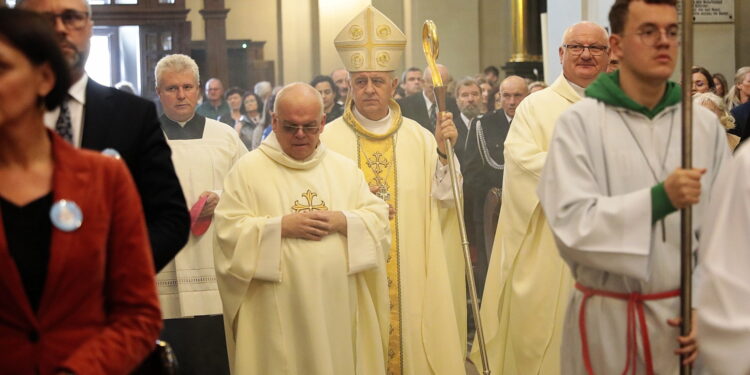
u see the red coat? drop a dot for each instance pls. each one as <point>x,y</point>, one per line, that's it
<point>99,312</point>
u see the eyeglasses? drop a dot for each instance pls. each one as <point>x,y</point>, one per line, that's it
<point>651,35</point>
<point>594,50</point>
<point>292,129</point>
<point>72,19</point>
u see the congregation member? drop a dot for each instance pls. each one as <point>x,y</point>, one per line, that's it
<point>469,104</point>
<point>716,104</point>
<point>538,86</point>
<point>722,296</point>
<point>328,90</point>
<point>203,152</point>
<point>102,118</point>
<point>406,166</point>
<point>423,108</point>
<point>251,121</point>
<point>341,78</point>
<point>300,253</point>
<point>528,284</point>
<point>720,85</point>
<point>739,93</point>
<point>610,190</point>
<point>263,89</point>
<point>738,102</point>
<point>702,81</point>
<point>411,81</point>
<point>76,275</point>
<point>214,106</point>
<point>233,97</point>
<point>484,164</point>
<point>488,93</point>
<point>492,75</point>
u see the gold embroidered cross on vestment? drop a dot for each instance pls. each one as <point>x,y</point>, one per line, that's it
<point>309,196</point>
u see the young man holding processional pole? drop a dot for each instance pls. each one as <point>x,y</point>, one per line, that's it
<point>610,188</point>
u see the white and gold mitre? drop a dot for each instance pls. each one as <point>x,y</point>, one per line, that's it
<point>370,43</point>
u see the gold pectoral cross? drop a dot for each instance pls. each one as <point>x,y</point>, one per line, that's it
<point>309,196</point>
<point>377,163</point>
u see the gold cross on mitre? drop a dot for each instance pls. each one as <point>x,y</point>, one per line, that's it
<point>309,196</point>
<point>370,43</point>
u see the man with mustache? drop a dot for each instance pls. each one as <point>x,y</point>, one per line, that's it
<point>98,118</point>
<point>610,190</point>
<point>528,284</point>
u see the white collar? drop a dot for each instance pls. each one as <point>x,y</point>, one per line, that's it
<point>374,126</point>
<point>78,90</point>
<point>578,89</point>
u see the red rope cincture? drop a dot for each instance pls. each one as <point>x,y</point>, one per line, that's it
<point>635,310</point>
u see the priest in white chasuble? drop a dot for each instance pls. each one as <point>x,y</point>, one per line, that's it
<point>400,161</point>
<point>203,151</point>
<point>610,190</point>
<point>528,284</point>
<point>300,253</point>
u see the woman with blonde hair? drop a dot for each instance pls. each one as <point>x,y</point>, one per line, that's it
<point>739,93</point>
<point>715,103</point>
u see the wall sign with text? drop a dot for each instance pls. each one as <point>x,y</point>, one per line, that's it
<point>711,11</point>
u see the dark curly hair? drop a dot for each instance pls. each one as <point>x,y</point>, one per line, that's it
<point>334,88</point>
<point>34,37</point>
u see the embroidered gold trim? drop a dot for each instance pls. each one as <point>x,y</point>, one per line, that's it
<point>376,157</point>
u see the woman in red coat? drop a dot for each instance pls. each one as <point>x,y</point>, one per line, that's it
<point>77,291</point>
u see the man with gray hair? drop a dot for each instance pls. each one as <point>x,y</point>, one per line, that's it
<point>203,151</point>
<point>214,105</point>
<point>528,284</point>
<point>98,117</point>
<point>423,108</point>
<point>300,254</point>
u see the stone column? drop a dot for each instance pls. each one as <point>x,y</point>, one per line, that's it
<point>214,16</point>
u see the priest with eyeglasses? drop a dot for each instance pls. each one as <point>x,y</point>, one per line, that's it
<point>300,253</point>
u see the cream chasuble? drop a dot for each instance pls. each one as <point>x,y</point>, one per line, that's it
<point>528,284</point>
<point>424,336</point>
<point>187,285</point>
<point>596,193</point>
<point>293,306</point>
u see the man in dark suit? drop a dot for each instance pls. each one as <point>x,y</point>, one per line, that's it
<point>420,107</point>
<point>485,163</point>
<point>98,118</point>
<point>469,103</point>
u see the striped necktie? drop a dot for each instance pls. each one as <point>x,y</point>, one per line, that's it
<point>64,126</point>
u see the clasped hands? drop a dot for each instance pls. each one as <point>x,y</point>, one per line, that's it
<point>313,225</point>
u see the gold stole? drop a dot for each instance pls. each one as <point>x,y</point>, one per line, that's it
<point>376,157</point>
